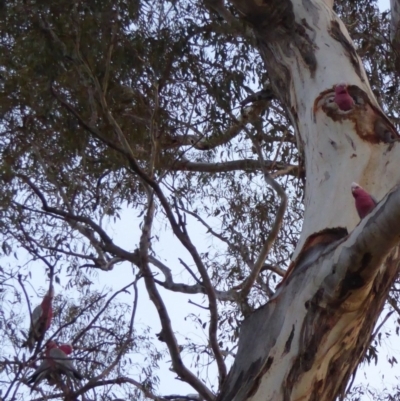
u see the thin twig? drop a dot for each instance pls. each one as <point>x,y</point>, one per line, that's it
<point>190,271</point>
<point>248,283</point>
<point>88,327</point>
<point>200,306</point>
<point>26,295</point>
<point>373,335</point>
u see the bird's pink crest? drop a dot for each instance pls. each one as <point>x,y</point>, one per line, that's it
<point>342,97</point>
<point>364,202</point>
<point>66,348</point>
<point>341,87</point>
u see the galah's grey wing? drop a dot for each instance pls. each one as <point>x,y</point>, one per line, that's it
<point>64,364</point>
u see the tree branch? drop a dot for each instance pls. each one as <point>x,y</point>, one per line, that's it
<point>179,231</point>
<point>200,142</point>
<point>246,164</point>
<point>255,271</point>
<point>167,332</point>
<point>274,268</point>
<point>185,288</point>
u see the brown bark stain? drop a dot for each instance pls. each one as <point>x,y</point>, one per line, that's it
<point>338,35</point>
<point>306,46</point>
<point>318,385</point>
<point>289,341</point>
<point>318,324</point>
<point>259,377</point>
<point>315,243</point>
<point>354,279</point>
<point>369,122</point>
<point>332,340</point>
<point>362,336</point>
<point>316,327</point>
<point>275,23</point>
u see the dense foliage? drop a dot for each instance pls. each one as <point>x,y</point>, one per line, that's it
<point>115,106</point>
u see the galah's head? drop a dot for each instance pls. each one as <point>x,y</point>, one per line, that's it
<point>51,345</point>
<point>341,88</point>
<point>359,192</point>
<point>66,348</point>
<point>354,187</point>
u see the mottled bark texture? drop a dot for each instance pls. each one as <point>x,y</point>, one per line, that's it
<point>307,341</point>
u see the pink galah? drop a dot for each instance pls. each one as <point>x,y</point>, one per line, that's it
<point>63,364</point>
<point>55,364</point>
<point>66,348</point>
<point>40,320</point>
<point>365,203</point>
<point>343,98</point>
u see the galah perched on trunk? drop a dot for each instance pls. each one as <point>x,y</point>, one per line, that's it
<point>364,201</point>
<point>40,320</point>
<point>343,98</point>
<point>55,364</point>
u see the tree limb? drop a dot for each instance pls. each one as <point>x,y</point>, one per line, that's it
<point>178,230</point>
<point>255,271</point>
<point>200,142</point>
<point>184,288</point>
<point>245,164</point>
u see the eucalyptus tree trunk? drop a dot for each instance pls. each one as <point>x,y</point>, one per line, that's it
<point>308,340</point>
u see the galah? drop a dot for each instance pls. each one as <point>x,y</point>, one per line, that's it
<point>55,364</point>
<point>40,320</point>
<point>342,97</point>
<point>54,379</point>
<point>66,348</point>
<point>364,201</point>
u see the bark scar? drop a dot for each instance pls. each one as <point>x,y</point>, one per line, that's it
<point>370,123</point>
<point>289,342</point>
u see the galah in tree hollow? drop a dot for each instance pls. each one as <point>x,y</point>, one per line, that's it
<point>343,98</point>
<point>40,320</point>
<point>364,201</point>
<point>55,364</point>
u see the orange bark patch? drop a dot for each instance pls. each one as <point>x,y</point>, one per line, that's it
<point>369,122</point>
<point>315,243</point>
